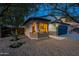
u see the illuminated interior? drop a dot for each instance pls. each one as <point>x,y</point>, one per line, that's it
<point>56,25</point>
<point>33,27</point>
<point>43,27</point>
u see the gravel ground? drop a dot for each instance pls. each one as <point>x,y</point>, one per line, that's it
<point>45,47</point>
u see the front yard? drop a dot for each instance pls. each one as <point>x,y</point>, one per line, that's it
<point>47,47</point>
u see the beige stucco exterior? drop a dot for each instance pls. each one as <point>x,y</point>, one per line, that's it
<point>53,28</point>
<point>36,35</point>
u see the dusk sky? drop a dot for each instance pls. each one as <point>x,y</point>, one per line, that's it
<point>45,9</point>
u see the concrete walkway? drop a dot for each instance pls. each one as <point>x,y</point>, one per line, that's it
<point>57,37</point>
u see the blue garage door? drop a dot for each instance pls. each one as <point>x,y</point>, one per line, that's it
<point>62,29</point>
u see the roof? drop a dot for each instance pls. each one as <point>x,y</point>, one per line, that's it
<point>74,24</point>
<point>36,18</point>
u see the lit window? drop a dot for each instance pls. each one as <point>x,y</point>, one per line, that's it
<point>33,28</point>
<point>55,25</point>
<point>43,27</point>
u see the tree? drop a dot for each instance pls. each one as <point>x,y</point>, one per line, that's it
<point>66,10</point>
<point>13,14</point>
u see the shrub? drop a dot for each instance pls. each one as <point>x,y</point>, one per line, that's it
<point>16,44</point>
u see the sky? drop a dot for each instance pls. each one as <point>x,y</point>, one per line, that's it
<point>45,9</point>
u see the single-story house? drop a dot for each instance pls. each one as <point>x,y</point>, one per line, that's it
<point>37,28</point>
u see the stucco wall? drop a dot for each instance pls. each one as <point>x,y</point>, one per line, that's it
<point>35,35</point>
<point>28,30</point>
<point>53,29</point>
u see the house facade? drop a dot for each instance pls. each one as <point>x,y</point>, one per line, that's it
<point>37,28</point>
<point>58,29</point>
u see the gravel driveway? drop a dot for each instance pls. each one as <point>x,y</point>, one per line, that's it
<point>47,47</point>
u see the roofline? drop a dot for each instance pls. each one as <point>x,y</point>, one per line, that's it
<point>35,18</point>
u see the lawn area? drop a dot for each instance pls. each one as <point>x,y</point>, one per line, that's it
<point>47,47</point>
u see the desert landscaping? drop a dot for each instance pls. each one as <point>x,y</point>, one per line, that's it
<point>47,47</point>
<point>39,29</point>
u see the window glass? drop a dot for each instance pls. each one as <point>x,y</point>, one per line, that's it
<point>43,27</point>
<point>33,27</point>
